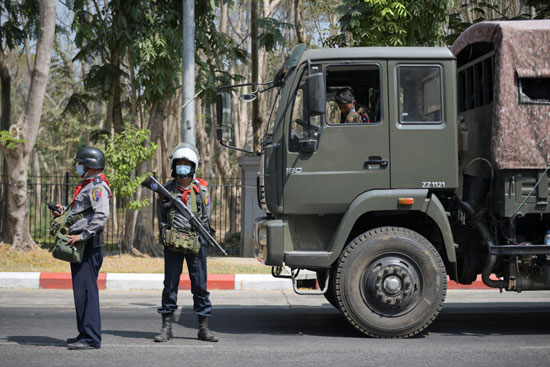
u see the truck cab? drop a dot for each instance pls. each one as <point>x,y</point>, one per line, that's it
<point>444,176</point>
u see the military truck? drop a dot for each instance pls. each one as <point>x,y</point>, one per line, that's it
<point>447,180</point>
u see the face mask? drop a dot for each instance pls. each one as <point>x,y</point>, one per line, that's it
<point>80,170</point>
<point>183,170</point>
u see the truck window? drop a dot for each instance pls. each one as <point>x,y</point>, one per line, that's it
<point>534,90</point>
<point>363,81</point>
<point>419,94</point>
<point>299,122</point>
<point>298,119</point>
<point>475,83</point>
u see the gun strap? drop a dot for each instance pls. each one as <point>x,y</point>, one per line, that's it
<point>72,219</point>
<point>194,208</point>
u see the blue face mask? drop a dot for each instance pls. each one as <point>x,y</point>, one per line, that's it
<point>183,170</point>
<point>80,170</point>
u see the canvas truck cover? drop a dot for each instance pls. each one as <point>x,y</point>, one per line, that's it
<point>520,136</point>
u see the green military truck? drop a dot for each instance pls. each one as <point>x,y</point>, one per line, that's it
<point>447,179</point>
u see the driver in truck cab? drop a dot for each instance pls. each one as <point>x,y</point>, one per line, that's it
<point>350,112</point>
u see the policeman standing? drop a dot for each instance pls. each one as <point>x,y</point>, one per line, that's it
<point>350,112</point>
<point>181,242</point>
<point>91,203</point>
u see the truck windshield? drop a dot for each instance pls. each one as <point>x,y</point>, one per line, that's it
<point>273,99</point>
<point>274,94</point>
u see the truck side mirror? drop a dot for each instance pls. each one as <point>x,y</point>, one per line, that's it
<point>223,117</point>
<point>315,95</point>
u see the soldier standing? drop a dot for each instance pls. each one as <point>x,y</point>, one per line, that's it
<point>91,203</point>
<point>350,113</point>
<point>181,242</point>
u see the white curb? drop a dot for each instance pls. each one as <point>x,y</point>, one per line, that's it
<point>19,280</point>
<point>128,281</point>
<point>261,282</point>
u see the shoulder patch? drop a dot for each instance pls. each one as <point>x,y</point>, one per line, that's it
<point>207,199</point>
<point>96,193</point>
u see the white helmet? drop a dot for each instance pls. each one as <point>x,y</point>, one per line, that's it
<point>185,151</point>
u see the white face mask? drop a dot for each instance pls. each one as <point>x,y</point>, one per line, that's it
<point>183,170</point>
<point>80,170</point>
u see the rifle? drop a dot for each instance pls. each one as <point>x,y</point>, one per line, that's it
<point>155,186</point>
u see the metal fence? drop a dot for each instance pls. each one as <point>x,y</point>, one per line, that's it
<point>225,219</point>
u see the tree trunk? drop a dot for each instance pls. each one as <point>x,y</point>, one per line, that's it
<point>299,21</point>
<point>140,222</point>
<point>17,232</point>
<point>5,115</point>
<point>255,71</point>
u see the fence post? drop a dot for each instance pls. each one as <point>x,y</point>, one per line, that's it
<point>67,184</point>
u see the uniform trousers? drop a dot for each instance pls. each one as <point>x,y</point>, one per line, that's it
<point>86,295</point>
<point>196,264</point>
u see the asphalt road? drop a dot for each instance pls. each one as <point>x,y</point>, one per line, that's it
<point>268,328</point>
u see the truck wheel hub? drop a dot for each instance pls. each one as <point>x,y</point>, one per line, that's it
<point>391,285</point>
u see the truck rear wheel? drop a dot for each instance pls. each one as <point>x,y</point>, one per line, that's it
<point>390,282</point>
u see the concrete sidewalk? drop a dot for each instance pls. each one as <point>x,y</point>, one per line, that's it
<point>144,281</point>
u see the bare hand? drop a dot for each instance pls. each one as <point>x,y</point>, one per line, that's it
<point>59,210</point>
<point>74,239</point>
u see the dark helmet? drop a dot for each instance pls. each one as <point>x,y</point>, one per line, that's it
<point>91,158</point>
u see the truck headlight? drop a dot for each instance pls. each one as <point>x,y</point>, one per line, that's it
<point>262,236</point>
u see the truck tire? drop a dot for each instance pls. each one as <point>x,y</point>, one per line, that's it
<point>390,282</point>
<point>330,294</point>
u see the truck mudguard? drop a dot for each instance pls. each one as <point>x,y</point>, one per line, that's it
<point>383,200</point>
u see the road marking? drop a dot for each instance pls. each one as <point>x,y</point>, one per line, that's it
<point>156,345</point>
<point>540,347</point>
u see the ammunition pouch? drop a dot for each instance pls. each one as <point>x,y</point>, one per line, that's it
<point>181,241</point>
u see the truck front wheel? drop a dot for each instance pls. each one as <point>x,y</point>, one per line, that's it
<point>390,282</point>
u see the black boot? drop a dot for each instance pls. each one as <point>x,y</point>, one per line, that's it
<point>166,330</point>
<point>204,332</point>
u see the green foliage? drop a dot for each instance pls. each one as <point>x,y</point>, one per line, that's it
<point>542,8</point>
<point>270,33</point>
<point>124,152</point>
<point>392,22</point>
<point>215,51</point>
<point>18,21</point>
<point>8,140</point>
<point>482,10</point>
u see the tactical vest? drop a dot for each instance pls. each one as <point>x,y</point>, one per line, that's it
<point>182,240</point>
<point>193,198</point>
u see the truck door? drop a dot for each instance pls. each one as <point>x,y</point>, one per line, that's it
<point>422,122</point>
<point>350,158</point>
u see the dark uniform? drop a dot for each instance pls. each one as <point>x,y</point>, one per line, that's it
<point>169,217</point>
<point>355,117</point>
<point>93,193</point>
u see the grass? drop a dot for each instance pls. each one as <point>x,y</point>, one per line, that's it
<point>41,260</point>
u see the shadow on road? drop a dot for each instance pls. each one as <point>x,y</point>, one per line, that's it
<point>37,340</point>
<point>317,321</point>
<point>483,319</point>
<point>131,334</point>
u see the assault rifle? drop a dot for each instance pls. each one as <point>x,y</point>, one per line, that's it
<point>155,186</point>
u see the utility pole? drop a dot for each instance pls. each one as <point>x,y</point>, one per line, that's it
<point>188,73</point>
